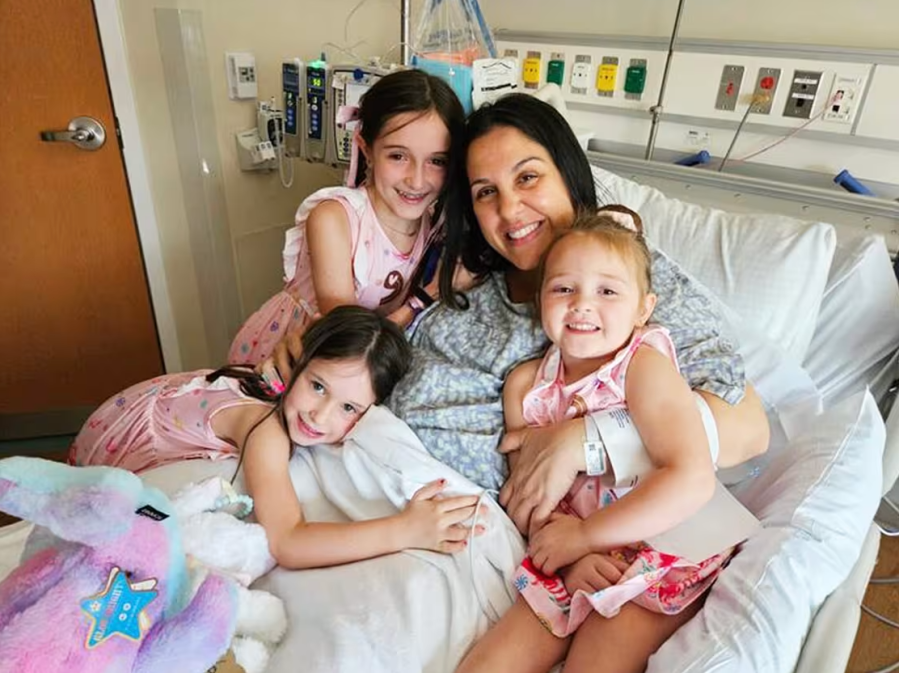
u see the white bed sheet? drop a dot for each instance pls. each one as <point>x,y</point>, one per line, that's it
<point>815,498</point>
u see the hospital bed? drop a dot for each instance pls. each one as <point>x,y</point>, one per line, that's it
<point>816,315</point>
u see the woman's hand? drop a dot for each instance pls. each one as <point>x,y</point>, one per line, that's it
<point>559,543</point>
<point>431,522</point>
<point>592,573</point>
<point>548,462</point>
<point>280,364</point>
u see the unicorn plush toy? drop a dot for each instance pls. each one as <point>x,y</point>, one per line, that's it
<point>115,594</point>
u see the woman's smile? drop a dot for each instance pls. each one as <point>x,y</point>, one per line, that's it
<point>518,195</point>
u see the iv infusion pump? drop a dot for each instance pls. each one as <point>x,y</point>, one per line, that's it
<point>349,83</point>
<point>313,92</point>
<point>317,112</point>
<point>293,79</point>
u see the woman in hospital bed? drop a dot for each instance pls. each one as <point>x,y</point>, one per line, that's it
<point>526,178</point>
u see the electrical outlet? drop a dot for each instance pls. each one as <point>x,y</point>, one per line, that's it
<point>845,98</point>
<point>803,91</point>
<point>729,87</point>
<point>765,88</point>
<point>580,74</point>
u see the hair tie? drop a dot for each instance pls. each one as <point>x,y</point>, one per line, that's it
<point>623,216</point>
<point>345,115</point>
<point>625,220</point>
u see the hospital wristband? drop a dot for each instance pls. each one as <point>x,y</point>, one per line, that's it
<point>415,305</point>
<point>422,296</point>
<point>594,449</point>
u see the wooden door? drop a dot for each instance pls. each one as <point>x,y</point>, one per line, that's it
<point>77,320</point>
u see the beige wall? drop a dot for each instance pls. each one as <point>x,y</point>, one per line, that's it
<point>258,207</point>
<point>859,23</point>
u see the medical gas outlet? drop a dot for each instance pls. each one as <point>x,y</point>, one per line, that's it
<point>555,69</point>
<point>530,70</point>
<point>635,79</point>
<point>580,74</point>
<point>606,76</point>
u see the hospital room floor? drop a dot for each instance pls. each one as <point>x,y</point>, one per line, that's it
<point>876,645</point>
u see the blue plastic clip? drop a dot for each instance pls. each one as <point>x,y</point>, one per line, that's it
<point>845,180</point>
<point>701,157</point>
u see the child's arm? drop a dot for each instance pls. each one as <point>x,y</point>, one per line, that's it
<point>663,409</point>
<point>428,522</point>
<point>517,384</point>
<point>331,255</point>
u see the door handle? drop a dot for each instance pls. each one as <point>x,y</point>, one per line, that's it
<point>85,133</point>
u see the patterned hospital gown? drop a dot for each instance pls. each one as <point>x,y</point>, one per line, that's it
<point>452,395</point>
<point>658,582</point>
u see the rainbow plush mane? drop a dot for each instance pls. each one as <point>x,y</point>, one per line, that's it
<point>114,594</point>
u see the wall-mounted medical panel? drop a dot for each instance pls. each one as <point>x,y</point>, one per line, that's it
<point>880,115</point>
<point>840,103</point>
<point>693,87</point>
<point>595,73</point>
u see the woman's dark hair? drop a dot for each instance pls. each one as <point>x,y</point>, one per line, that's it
<point>543,124</point>
<point>412,91</point>
<point>345,332</point>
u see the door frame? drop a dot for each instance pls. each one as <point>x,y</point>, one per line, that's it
<point>115,58</point>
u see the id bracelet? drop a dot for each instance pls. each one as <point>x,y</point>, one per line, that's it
<point>594,449</point>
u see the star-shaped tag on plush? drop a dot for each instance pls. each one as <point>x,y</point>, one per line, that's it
<point>118,609</point>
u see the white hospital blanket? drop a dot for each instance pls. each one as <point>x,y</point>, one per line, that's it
<point>412,611</point>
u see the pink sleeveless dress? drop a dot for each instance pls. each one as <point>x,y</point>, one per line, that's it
<point>381,274</point>
<point>160,421</point>
<point>659,582</point>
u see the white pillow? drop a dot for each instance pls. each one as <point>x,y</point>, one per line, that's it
<point>815,500</point>
<point>771,269</point>
<point>858,324</point>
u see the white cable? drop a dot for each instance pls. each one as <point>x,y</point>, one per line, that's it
<point>354,57</point>
<point>346,24</point>
<point>889,532</point>
<point>282,150</point>
<point>471,538</point>
<point>790,134</point>
<point>879,617</point>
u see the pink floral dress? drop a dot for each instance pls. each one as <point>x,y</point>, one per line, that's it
<point>659,582</point>
<point>157,422</point>
<point>381,274</point>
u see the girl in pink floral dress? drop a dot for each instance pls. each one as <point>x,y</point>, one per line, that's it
<point>363,244</point>
<point>595,300</point>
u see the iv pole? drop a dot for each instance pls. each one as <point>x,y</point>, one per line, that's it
<point>656,110</point>
<point>405,17</point>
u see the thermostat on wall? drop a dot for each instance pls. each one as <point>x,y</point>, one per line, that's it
<point>241,68</point>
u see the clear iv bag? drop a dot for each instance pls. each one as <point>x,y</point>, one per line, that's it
<point>451,35</point>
